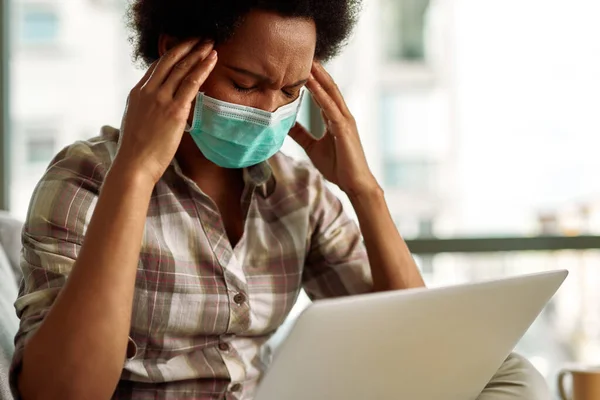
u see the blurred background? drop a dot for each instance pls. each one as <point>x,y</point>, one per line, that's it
<point>479,117</point>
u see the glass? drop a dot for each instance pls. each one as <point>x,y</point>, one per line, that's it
<point>413,175</point>
<point>39,26</point>
<point>495,133</point>
<point>405,23</point>
<point>39,150</point>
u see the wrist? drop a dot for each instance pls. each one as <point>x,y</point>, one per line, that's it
<point>371,193</point>
<point>130,176</point>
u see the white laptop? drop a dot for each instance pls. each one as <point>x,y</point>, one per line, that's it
<point>431,344</point>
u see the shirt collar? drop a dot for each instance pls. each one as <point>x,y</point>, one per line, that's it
<point>258,176</point>
<point>262,177</point>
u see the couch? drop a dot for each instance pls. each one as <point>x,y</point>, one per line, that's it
<point>10,249</point>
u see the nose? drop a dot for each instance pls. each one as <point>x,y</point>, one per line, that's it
<point>269,102</point>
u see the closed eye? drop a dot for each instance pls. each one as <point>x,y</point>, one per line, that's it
<point>242,89</point>
<point>290,95</point>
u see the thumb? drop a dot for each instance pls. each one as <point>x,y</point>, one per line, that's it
<point>302,136</point>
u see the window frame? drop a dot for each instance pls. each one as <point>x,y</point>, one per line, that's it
<point>5,160</point>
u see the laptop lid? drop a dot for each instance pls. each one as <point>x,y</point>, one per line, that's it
<point>444,343</point>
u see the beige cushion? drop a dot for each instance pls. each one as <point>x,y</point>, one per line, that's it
<point>10,240</point>
<point>10,249</point>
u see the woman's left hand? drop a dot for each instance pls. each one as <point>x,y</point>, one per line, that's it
<point>339,154</point>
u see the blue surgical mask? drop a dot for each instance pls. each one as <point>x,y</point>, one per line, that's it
<point>236,136</point>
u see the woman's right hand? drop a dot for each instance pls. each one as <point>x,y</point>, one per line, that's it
<point>158,108</point>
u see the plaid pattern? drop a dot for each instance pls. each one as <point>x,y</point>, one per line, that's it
<point>202,309</point>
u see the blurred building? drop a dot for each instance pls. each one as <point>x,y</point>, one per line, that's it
<point>397,78</point>
<point>70,69</point>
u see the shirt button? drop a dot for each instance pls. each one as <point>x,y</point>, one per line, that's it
<point>224,347</point>
<point>236,388</point>
<point>239,299</point>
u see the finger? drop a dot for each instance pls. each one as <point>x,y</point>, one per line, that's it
<point>190,85</point>
<point>147,75</point>
<point>166,63</point>
<point>184,67</point>
<point>325,119</point>
<point>327,82</point>
<point>302,136</point>
<point>328,106</point>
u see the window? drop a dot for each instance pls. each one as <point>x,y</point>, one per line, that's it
<point>40,149</point>
<point>39,26</point>
<point>426,227</point>
<point>58,97</point>
<point>405,27</point>
<point>413,145</point>
<point>33,144</point>
<point>410,175</point>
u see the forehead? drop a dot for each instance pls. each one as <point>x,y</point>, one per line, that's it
<point>271,43</point>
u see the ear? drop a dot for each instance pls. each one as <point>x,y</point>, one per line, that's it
<point>166,43</point>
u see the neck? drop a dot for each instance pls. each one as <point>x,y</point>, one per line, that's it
<point>212,179</point>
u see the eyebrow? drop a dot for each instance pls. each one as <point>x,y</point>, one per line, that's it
<point>262,77</point>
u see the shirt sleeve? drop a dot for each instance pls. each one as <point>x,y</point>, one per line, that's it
<point>337,263</point>
<point>58,217</point>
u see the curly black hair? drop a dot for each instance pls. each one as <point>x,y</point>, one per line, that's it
<point>217,20</point>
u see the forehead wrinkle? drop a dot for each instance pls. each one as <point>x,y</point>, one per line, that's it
<point>277,47</point>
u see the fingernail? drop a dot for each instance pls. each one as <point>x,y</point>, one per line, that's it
<point>212,55</point>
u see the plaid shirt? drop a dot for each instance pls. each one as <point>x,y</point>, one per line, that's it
<point>202,310</point>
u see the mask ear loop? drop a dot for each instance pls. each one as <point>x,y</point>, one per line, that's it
<point>197,108</point>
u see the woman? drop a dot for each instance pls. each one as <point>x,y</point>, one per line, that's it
<point>185,236</point>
